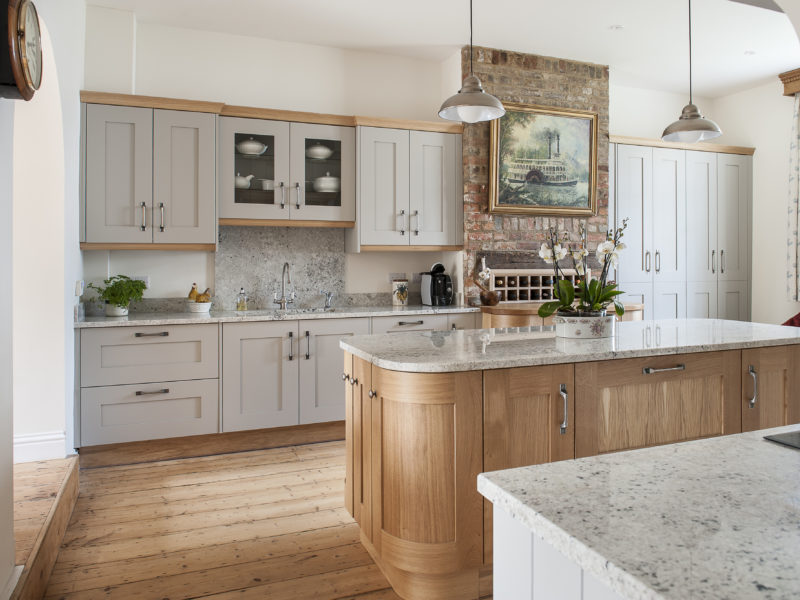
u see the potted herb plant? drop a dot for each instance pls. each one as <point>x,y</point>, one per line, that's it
<point>118,292</point>
<point>593,295</point>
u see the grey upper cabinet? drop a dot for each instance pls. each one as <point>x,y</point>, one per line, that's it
<point>119,174</point>
<point>149,176</point>
<point>733,208</point>
<point>634,201</point>
<point>701,225</point>
<point>184,197</point>
<point>432,171</point>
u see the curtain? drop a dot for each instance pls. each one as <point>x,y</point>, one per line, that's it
<point>793,242</point>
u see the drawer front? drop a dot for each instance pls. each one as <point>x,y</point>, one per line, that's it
<point>403,323</point>
<point>128,413</point>
<point>464,320</point>
<point>120,355</point>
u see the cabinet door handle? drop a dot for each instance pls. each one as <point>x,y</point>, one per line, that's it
<point>402,323</point>
<point>291,345</point>
<point>157,334</point>
<point>647,261</point>
<point>658,261</point>
<point>722,261</point>
<point>345,377</point>
<point>752,401</point>
<point>297,189</point>
<point>402,222</point>
<point>161,208</point>
<point>713,261</point>
<point>372,393</point>
<point>144,216</point>
<point>283,195</point>
<point>564,396</point>
<point>416,215</point>
<point>162,391</point>
<point>651,370</point>
<point>308,345</point>
<point>353,381</point>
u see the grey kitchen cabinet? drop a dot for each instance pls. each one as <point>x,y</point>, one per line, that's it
<point>403,323</point>
<point>321,395</point>
<point>284,373</point>
<point>149,176</point>
<point>127,413</point>
<point>408,189</point>
<point>281,181</point>
<point>144,383</point>
<point>260,375</point>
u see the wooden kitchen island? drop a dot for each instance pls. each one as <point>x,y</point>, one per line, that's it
<point>427,412</point>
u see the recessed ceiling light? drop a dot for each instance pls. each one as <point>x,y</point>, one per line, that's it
<point>617,27</point>
<point>749,52</point>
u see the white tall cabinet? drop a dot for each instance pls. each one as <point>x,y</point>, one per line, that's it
<point>688,248</point>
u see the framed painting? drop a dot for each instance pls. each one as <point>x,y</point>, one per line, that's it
<point>543,161</point>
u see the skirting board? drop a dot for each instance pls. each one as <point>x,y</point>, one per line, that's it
<point>5,593</point>
<point>39,446</point>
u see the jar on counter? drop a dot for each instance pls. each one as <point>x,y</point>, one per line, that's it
<point>241,300</point>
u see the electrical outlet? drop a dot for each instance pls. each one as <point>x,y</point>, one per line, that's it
<point>79,287</point>
<point>396,276</point>
<point>145,278</point>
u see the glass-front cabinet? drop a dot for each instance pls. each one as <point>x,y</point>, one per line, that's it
<point>276,170</point>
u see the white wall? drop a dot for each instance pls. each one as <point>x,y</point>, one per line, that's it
<point>6,371</point>
<point>46,257</point>
<point>761,117</point>
<point>201,65</point>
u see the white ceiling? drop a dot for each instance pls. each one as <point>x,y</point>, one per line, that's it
<point>735,45</point>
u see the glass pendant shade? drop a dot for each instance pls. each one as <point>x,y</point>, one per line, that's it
<point>471,104</point>
<point>691,127</point>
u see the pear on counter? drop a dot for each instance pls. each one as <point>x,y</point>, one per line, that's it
<point>204,297</point>
<point>193,293</point>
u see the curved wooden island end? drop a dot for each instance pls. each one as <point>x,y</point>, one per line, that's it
<point>417,455</point>
<point>525,314</point>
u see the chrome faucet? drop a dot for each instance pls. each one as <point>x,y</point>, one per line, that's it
<point>286,277</point>
<point>328,298</point>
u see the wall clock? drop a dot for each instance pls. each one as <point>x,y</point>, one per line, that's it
<point>21,57</point>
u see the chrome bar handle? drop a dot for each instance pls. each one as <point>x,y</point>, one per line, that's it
<point>297,189</point>
<point>713,261</point>
<point>416,229</point>
<point>402,323</point>
<point>402,222</point>
<point>752,401</point>
<point>308,345</point>
<point>283,195</point>
<point>162,391</point>
<point>144,216</point>
<point>158,334</point>
<point>658,261</point>
<point>651,370</point>
<point>722,261</point>
<point>565,396</point>
<point>647,261</point>
<point>291,345</point>
<point>161,208</point>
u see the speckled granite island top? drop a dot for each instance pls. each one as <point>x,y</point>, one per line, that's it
<point>716,518</point>
<point>143,319</point>
<point>449,351</point>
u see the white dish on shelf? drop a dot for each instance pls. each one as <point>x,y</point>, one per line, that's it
<point>326,184</point>
<point>251,147</point>
<point>199,307</point>
<point>242,183</point>
<point>318,152</point>
<point>267,184</point>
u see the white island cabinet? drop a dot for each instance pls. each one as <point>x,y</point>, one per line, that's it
<point>713,518</point>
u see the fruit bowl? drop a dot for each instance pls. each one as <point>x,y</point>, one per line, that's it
<point>199,307</point>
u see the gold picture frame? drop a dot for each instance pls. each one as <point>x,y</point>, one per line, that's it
<point>532,178</point>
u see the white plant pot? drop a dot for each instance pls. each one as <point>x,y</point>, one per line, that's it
<point>584,327</point>
<point>112,310</point>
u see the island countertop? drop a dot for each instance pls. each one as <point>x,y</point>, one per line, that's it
<point>471,350</point>
<point>715,518</point>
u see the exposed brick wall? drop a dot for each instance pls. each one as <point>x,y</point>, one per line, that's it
<point>529,79</point>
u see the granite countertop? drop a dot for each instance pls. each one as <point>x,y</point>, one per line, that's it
<point>716,518</point>
<point>448,351</point>
<point>184,318</point>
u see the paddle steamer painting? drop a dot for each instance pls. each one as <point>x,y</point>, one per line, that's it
<point>543,161</point>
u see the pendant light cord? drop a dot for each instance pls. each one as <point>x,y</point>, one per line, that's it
<point>690,50</point>
<point>470,37</point>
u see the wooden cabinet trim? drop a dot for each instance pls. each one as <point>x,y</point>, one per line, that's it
<point>112,99</point>
<point>702,146</point>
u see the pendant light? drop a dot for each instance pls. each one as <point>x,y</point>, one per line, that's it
<point>691,126</point>
<point>471,104</point>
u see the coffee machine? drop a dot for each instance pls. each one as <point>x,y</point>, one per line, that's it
<point>436,287</point>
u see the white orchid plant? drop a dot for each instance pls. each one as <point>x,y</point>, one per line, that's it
<point>593,294</point>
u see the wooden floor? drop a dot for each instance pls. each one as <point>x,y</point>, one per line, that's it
<point>263,524</point>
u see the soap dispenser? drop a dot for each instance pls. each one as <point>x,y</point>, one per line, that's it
<point>241,300</point>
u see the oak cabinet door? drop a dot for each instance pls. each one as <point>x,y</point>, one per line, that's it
<point>260,375</point>
<point>770,387</point>
<point>640,402</point>
<point>528,419</point>
<point>349,485</point>
<point>320,367</point>
<point>184,168</point>
<point>361,384</point>
<point>119,174</point>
